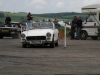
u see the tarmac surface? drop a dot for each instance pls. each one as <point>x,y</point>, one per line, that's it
<point>79,57</point>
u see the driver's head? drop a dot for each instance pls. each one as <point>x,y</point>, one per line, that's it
<point>35,25</point>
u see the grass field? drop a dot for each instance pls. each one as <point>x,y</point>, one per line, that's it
<point>21,17</point>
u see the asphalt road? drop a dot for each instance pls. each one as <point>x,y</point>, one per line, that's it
<point>79,57</point>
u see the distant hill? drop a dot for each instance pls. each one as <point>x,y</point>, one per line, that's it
<point>64,15</point>
<point>22,12</point>
<point>21,16</point>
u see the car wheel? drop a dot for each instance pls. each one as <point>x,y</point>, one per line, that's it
<point>18,35</point>
<point>1,37</point>
<point>14,36</point>
<point>52,45</point>
<point>94,37</point>
<point>57,43</point>
<point>84,35</point>
<point>24,45</point>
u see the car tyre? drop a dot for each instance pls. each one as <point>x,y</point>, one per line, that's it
<point>94,37</point>
<point>57,43</point>
<point>84,35</point>
<point>24,45</point>
<point>1,37</point>
<point>18,35</point>
<point>52,45</point>
<point>14,36</point>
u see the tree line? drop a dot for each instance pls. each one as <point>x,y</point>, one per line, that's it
<point>2,15</point>
<point>65,15</point>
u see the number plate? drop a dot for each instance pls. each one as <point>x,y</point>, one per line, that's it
<point>35,42</point>
<point>5,30</point>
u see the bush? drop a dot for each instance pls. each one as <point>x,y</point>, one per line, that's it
<point>1,22</point>
<point>67,31</point>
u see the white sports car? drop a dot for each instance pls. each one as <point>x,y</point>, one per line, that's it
<point>40,33</point>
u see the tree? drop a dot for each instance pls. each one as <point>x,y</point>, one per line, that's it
<point>1,22</point>
<point>1,15</point>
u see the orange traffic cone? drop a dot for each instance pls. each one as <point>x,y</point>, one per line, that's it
<point>60,34</point>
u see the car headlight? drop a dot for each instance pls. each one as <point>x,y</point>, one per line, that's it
<point>48,34</point>
<point>23,35</point>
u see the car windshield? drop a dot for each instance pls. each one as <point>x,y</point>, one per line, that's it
<point>43,25</point>
<point>11,25</point>
<point>30,26</point>
<point>40,25</point>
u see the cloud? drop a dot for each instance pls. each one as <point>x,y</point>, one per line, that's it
<point>45,6</point>
<point>1,3</point>
<point>39,7</point>
<point>60,5</point>
<point>74,6</point>
<point>37,2</point>
<point>90,2</point>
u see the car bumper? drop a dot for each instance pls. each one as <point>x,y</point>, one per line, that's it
<point>7,33</point>
<point>35,42</point>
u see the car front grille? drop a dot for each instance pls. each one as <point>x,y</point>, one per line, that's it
<point>36,38</point>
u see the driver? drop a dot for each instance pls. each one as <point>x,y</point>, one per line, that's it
<point>36,25</point>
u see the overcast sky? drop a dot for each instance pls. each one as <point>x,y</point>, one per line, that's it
<point>45,6</point>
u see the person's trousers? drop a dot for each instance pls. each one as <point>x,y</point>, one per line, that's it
<point>29,21</point>
<point>72,33</point>
<point>78,33</point>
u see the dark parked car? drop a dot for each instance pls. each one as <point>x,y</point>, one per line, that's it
<point>13,30</point>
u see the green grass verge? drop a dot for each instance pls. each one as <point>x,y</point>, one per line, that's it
<point>63,31</point>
